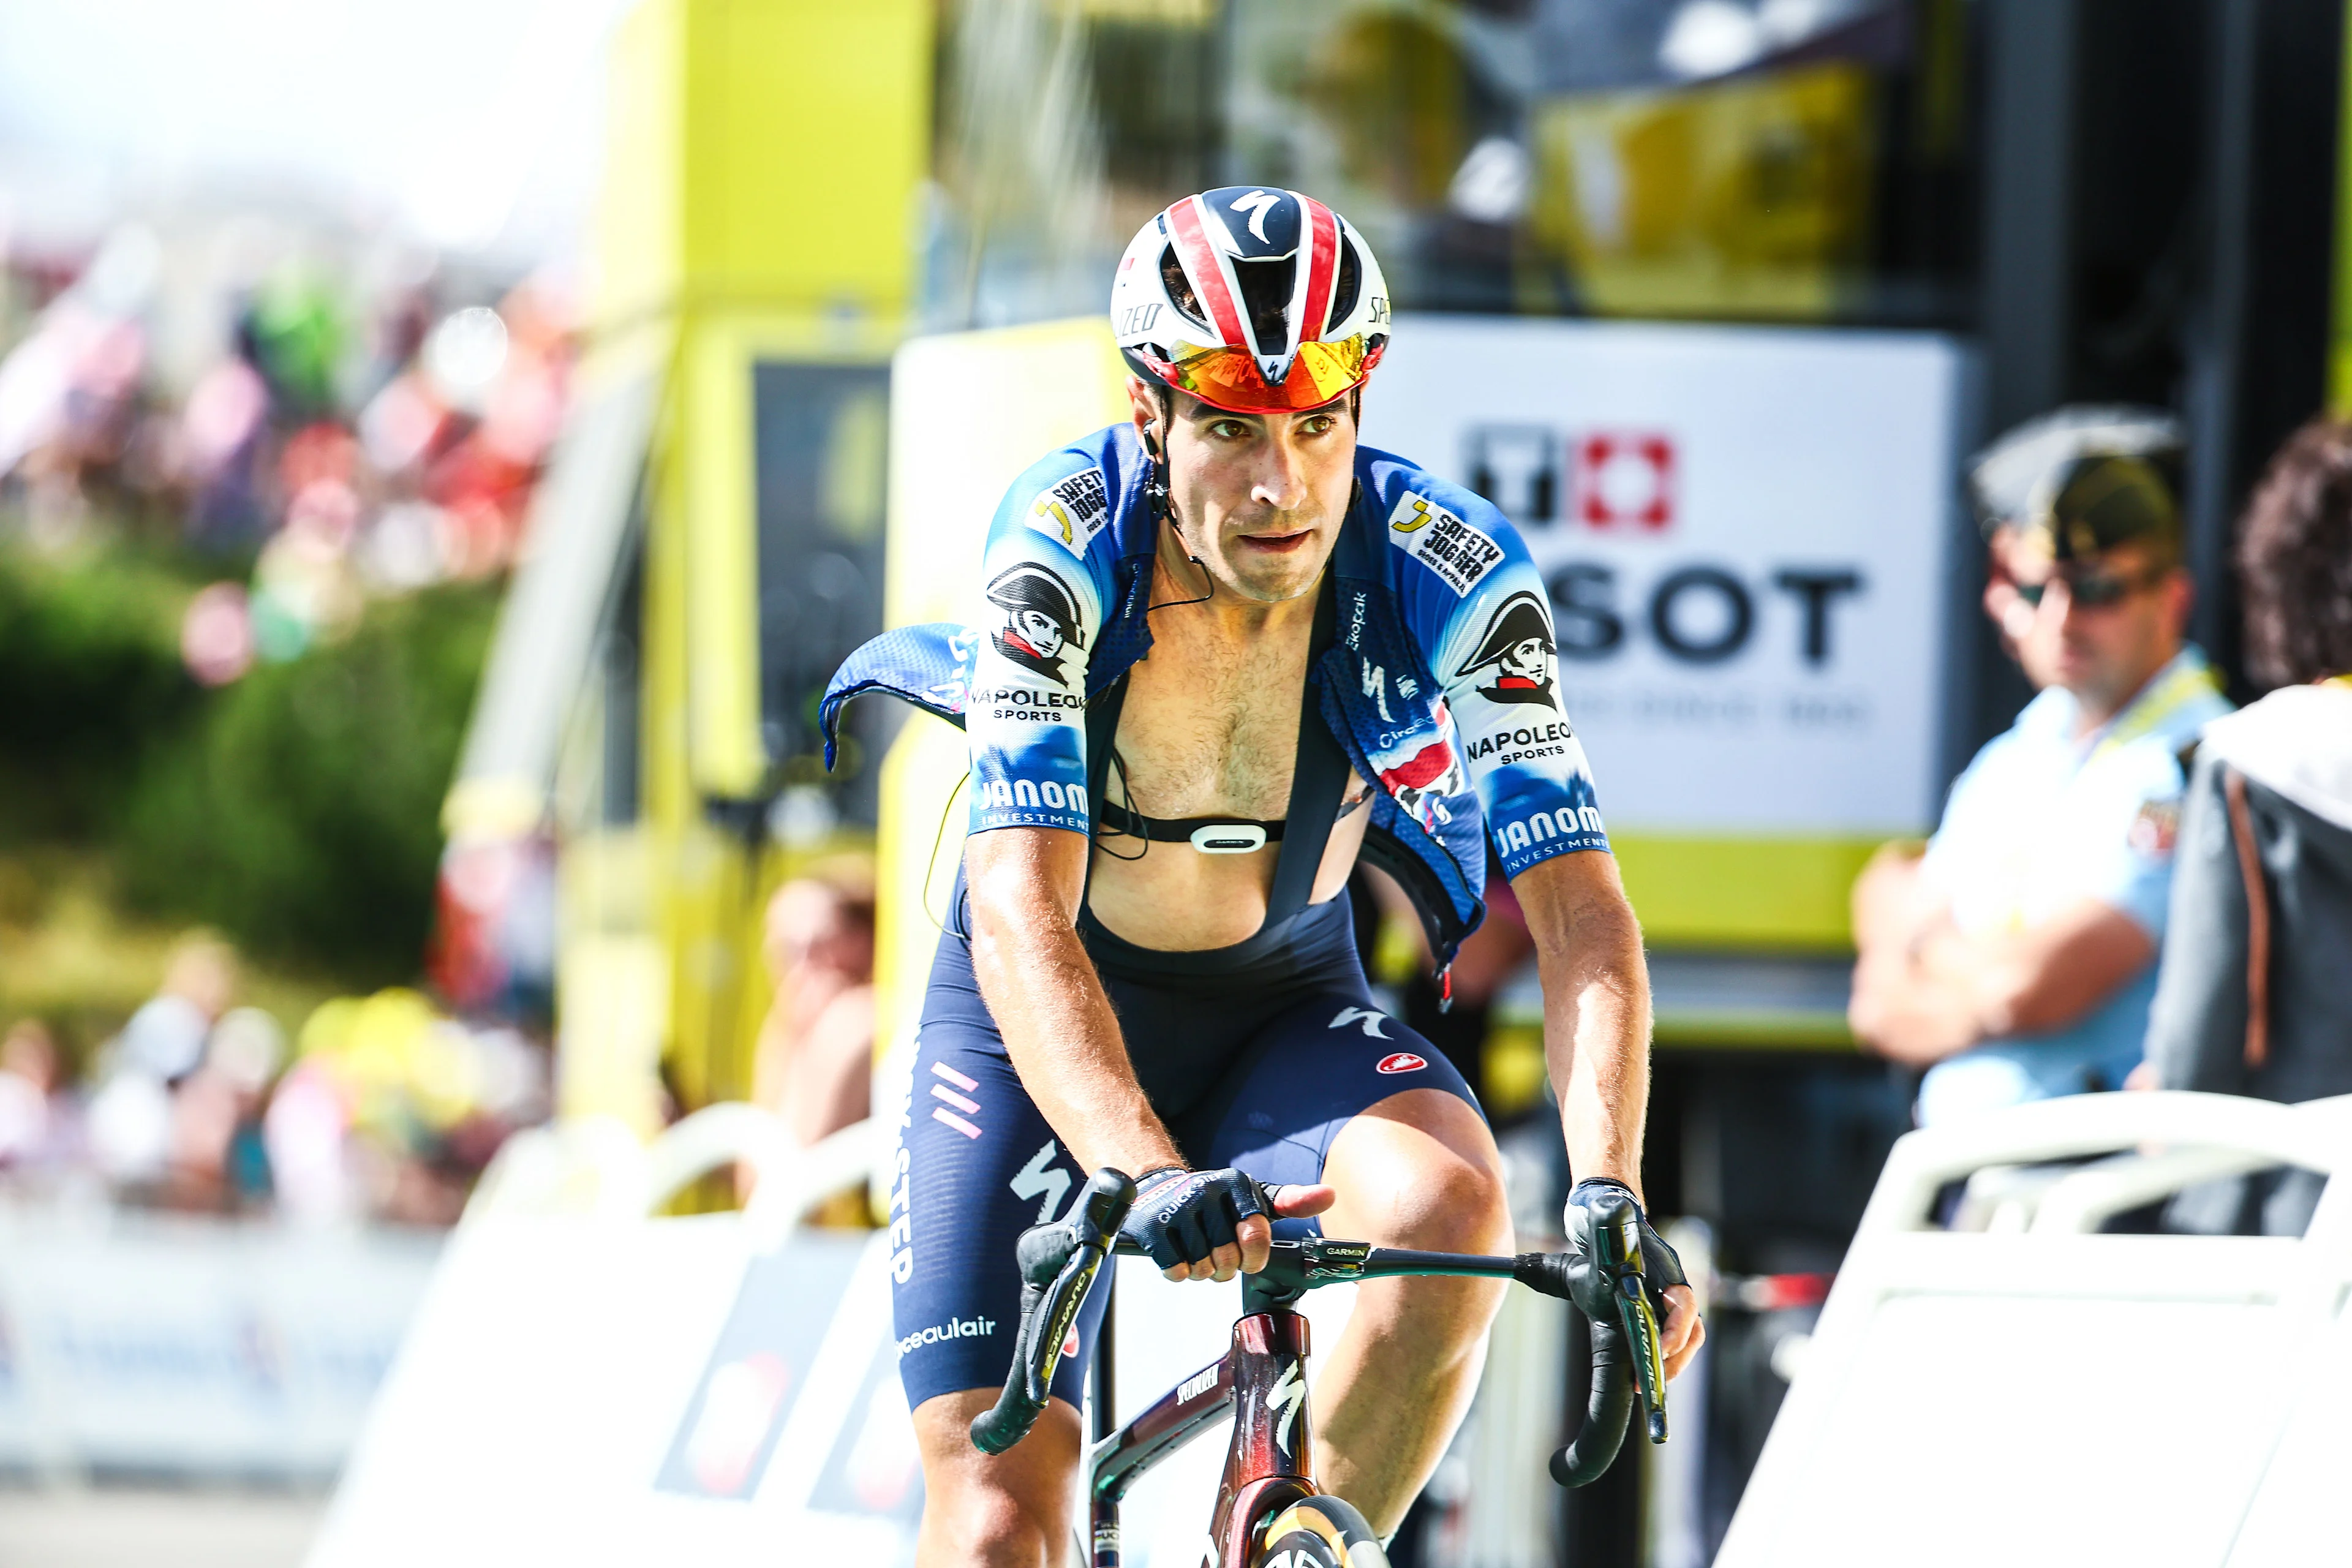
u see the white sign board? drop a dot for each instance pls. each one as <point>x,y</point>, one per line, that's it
<point>185,1345</point>
<point>1745,532</point>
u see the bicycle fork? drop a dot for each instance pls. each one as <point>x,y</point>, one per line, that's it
<point>1271,1460</point>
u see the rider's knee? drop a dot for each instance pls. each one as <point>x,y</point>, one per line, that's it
<point>1442,1202</point>
<point>991,1524</point>
<point>1461,1206</point>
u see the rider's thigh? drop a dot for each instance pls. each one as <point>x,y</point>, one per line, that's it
<point>1004,1510</point>
<point>1418,1169</point>
<point>978,1166</point>
<point>1335,1091</point>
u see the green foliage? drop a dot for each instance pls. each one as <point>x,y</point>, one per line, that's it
<point>298,810</point>
<point>301,814</point>
<point>90,666</point>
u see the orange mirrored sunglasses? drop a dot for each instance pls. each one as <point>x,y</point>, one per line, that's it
<point>1229,378</point>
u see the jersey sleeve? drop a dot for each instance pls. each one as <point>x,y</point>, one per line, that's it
<point>1484,621</point>
<point>1041,614</point>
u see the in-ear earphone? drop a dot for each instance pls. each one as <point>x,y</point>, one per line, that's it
<point>1155,486</point>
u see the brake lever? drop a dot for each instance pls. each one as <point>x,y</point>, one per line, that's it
<point>1058,1264</point>
<point>1619,1241</point>
<point>1642,1334</point>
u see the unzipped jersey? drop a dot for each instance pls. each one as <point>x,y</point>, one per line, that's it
<point>1441,684</point>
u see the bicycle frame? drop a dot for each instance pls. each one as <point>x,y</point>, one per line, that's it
<point>1270,1460</point>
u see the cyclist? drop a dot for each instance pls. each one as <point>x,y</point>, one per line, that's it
<point>1230,651</point>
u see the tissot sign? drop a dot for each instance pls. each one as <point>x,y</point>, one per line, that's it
<point>1744,535</point>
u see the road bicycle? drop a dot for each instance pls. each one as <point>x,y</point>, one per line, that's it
<point>1269,1512</point>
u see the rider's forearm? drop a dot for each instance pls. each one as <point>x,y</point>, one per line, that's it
<point>1596,990</point>
<point>1049,1004</point>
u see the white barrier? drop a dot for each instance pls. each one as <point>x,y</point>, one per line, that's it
<point>586,1384</point>
<point>2040,1395</point>
<point>194,1347</point>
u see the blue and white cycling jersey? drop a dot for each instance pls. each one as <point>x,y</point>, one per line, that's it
<point>1440,684</point>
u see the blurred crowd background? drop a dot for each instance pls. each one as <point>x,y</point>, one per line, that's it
<point>244,598</point>
<point>286,315</point>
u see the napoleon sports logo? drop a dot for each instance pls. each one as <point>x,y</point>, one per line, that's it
<point>1040,620</point>
<point>1517,653</point>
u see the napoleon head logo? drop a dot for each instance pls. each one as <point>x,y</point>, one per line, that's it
<point>1041,619</point>
<point>1515,654</point>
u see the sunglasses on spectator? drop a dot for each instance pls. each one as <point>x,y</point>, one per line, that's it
<point>2091,590</point>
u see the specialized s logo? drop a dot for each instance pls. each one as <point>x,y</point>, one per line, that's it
<point>1041,619</point>
<point>1256,203</point>
<point>1400,1061</point>
<point>1073,510</point>
<point>1040,1180</point>
<point>1457,551</point>
<point>1517,654</point>
<point>1283,1402</point>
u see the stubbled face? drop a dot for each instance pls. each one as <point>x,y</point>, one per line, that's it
<point>2103,653</point>
<point>1258,498</point>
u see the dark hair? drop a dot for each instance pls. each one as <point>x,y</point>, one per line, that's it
<point>2295,559</point>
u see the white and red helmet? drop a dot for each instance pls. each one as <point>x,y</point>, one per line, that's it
<point>1255,299</point>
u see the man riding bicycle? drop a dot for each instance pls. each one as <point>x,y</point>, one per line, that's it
<point>1229,651</point>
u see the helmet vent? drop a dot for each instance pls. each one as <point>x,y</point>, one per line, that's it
<point>1180,289</point>
<point>1347,286</point>
<point>1265,297</point>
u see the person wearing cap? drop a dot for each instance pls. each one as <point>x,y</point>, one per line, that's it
<point>2020,962</point>
<point>2004,478</point>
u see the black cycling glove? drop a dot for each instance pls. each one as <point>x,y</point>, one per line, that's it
<point>1181,1217</point>
<point>1587,1286</point>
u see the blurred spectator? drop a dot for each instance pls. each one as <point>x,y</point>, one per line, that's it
<point>2254,996</point>
<point>305,1132</point>
<point>132,1131</point>
<point>28,1079</point>
<point>392,1109</point>
<point>216,1156</point>
<point>2004,478</point>
<point>494,933</point>
<point>357,462</point>
<point>2015,961</point>
<point>815,1062</point>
